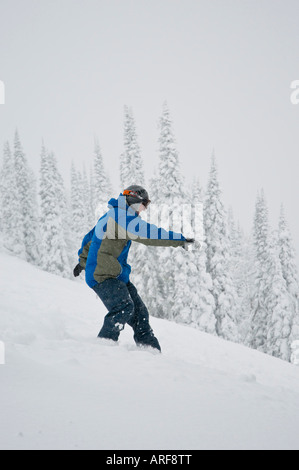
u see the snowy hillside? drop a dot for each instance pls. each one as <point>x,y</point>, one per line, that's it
<point>63,389</point>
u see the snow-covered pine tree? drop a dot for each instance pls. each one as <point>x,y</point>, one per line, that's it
<point>245,287</point>
<point>63,199</point>
<point>102,186</point>
<point>272,317</point>
<point>199,281</point>
<point>178,270</point>
<point>235,247</point>
<point>78,222</point>
<point>11,226</point>
<point>201,284</point>
<point>171,183</point>
<point>172,196</point>
<point>197,198</point>
<point>260,315</point>
<point>193,301</point>
<point>54,257</point>
<point>218,258</point>
<point>241,262</point>
<point>131,164</point>
<point>234,240</point>
<point>153,293</point>
<point>92,198</point>
<point>278,306</point>
<point>33,234</point>
<point>88,221</point>
<point>289,270</point>
<point>28,202</point>
<point>186,296</point>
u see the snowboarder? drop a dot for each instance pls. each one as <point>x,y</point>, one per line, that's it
<point>104,254</point>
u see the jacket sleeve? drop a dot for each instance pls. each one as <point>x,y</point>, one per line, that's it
<point>83,252</point>
<point>149,234</point>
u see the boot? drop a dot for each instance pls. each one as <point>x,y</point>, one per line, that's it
<point>147,339</point>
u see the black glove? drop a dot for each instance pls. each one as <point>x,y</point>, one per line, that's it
<point>77,270</point>
<point>188,241</point>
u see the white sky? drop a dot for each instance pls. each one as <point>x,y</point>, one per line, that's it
<point>224,66</point>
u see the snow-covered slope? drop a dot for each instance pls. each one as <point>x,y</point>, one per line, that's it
<point>61,388</point>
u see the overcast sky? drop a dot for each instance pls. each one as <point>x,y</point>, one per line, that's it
<point>224,66</point>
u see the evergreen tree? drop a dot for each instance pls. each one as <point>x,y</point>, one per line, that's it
<point>295,329</point>
<point>241,261</point>
<point>131,165</point>
<point>218,259</point>
<point>279,307</point>
<point>171,186</point>
<point>193,302</point>
<point>149,284</point>
<point>65,215</point>
<point>54,250</point>
<point>171,196</point>
<point>11,226</point>
<point>289,270</point>
<point>179,275</point>
<point>272,318</point>
<point>88,221</point>
<point>102,186</point>
<point>79,228</point>
<point>151,271</point>
<point>28,202</point>
<point>72,251</point>
<point>260,317</point>
<point>245,282</point>
<point>202,315</point>
<point>197,199</point>
<point>234,238</point>
<point>33,230</point>
<point>92,199</point>
<point>280,315</point>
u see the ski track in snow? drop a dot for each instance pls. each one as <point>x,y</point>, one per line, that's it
<point>62,388</point>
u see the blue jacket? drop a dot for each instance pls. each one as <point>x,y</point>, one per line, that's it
<point>104,251</point>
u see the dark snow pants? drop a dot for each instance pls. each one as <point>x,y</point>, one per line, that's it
<point>124,305</point>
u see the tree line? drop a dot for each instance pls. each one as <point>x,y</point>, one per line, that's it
<point>241,287</point>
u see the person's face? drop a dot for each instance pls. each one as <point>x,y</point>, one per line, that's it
<point>141,208</point>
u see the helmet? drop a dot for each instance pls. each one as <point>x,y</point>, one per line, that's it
<point>136,194</point>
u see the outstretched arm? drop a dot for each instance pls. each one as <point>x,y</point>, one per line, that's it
<point>149,234</point>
